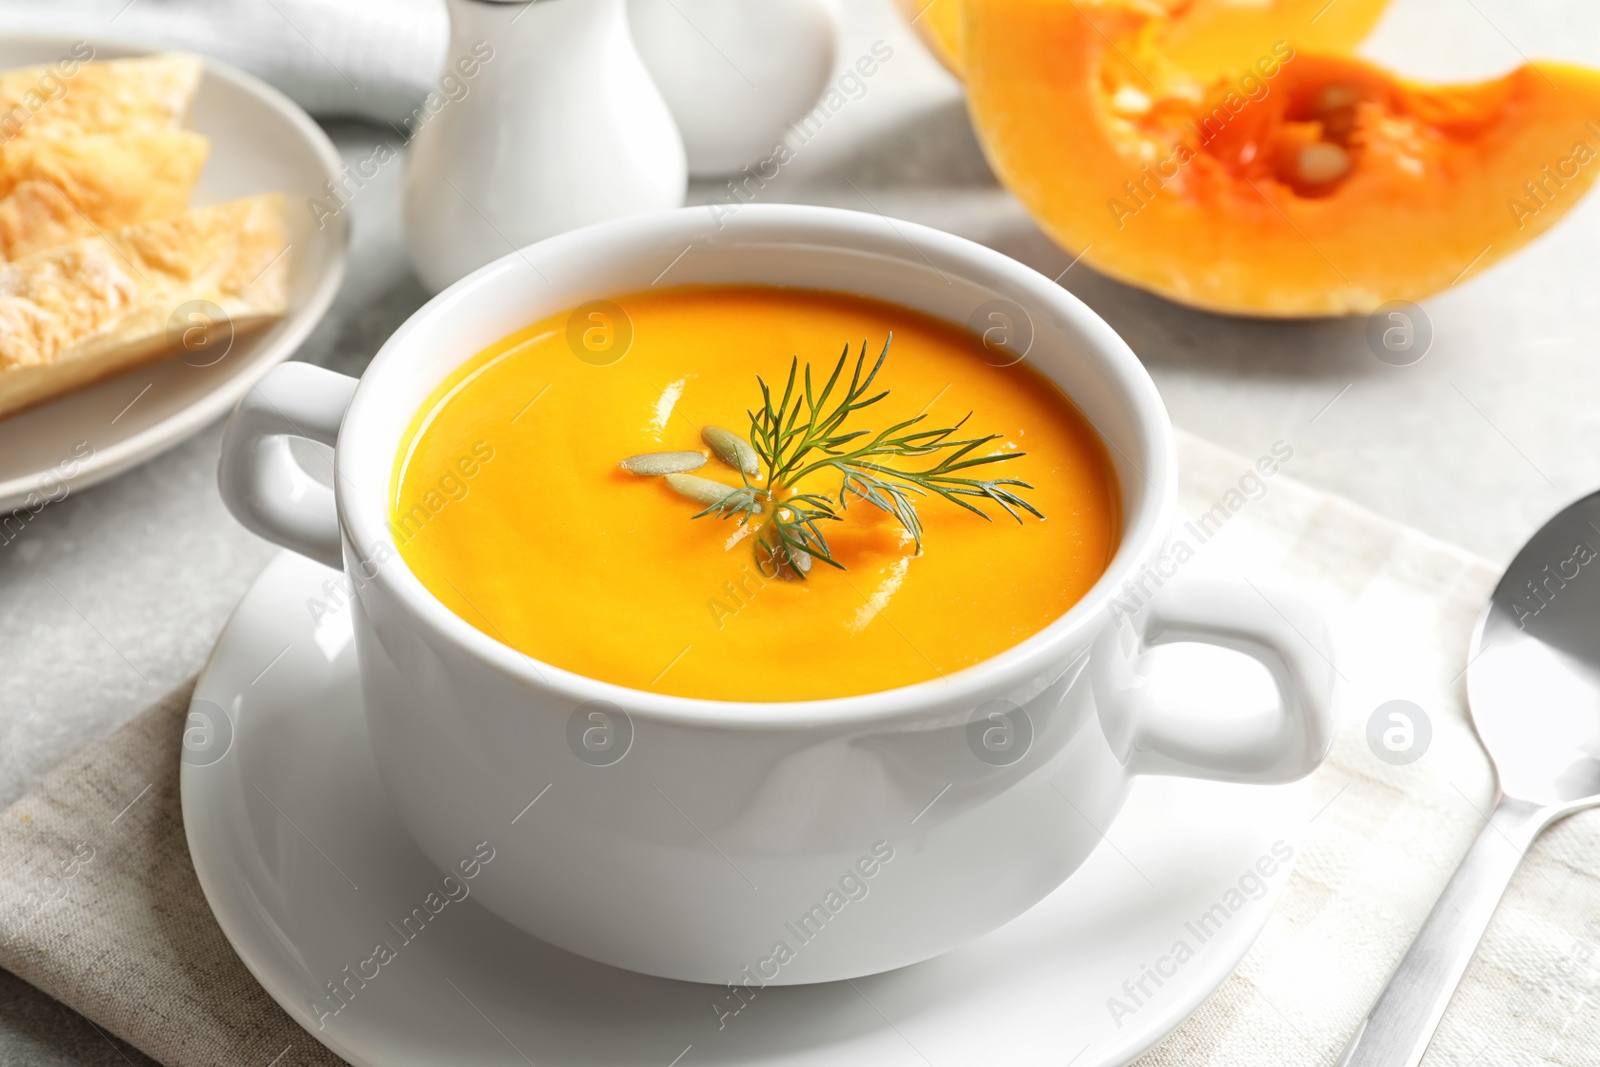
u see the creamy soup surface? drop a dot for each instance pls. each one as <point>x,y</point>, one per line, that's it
<point>509,504</point>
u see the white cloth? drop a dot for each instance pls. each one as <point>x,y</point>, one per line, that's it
<point>372,59</point>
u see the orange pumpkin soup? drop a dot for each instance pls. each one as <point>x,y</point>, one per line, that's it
<point>511,506</point>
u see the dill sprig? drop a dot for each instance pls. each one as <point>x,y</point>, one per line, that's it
<point>806,430</point>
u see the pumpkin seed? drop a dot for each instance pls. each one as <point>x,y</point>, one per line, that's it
<point>652,463</point>
<point>1323,162</point>
<point>700,490</point>
<point>732,449</point>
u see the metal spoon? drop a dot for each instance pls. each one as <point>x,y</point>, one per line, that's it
<point>1533,683</point>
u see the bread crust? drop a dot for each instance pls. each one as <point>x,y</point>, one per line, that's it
<point>54,192</point>
<point>77,313</point>
<point>116,95</point>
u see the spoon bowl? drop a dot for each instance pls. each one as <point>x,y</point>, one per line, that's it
<point>1534,679</point>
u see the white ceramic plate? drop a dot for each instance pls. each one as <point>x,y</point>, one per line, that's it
<point>260,141</point>
<point>307,869</point>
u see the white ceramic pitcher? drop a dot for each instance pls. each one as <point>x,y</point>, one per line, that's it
<point>736,72</point>
<point>543,120</point>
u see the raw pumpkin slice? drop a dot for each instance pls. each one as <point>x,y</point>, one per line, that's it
<point>1312,185</point>
<point>1204,38</point>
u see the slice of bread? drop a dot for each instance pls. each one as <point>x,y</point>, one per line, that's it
<point>53,192</point>
<point>70,99</point>
<point>81,312</point>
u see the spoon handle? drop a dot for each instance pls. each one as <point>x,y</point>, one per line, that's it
<point>1397,1030</point>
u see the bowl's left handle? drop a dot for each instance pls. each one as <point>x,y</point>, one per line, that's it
<point>262,484</point>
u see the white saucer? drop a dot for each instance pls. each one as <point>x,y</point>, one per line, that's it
<point>306,867</point>
<point>260,141</point>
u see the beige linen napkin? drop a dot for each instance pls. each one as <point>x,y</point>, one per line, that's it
<point>99,905</point>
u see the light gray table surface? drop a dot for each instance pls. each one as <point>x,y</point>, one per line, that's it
<point>116,594</point>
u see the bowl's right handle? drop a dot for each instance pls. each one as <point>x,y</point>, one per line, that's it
<point>262,484</point>
<point>1281,630</point>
